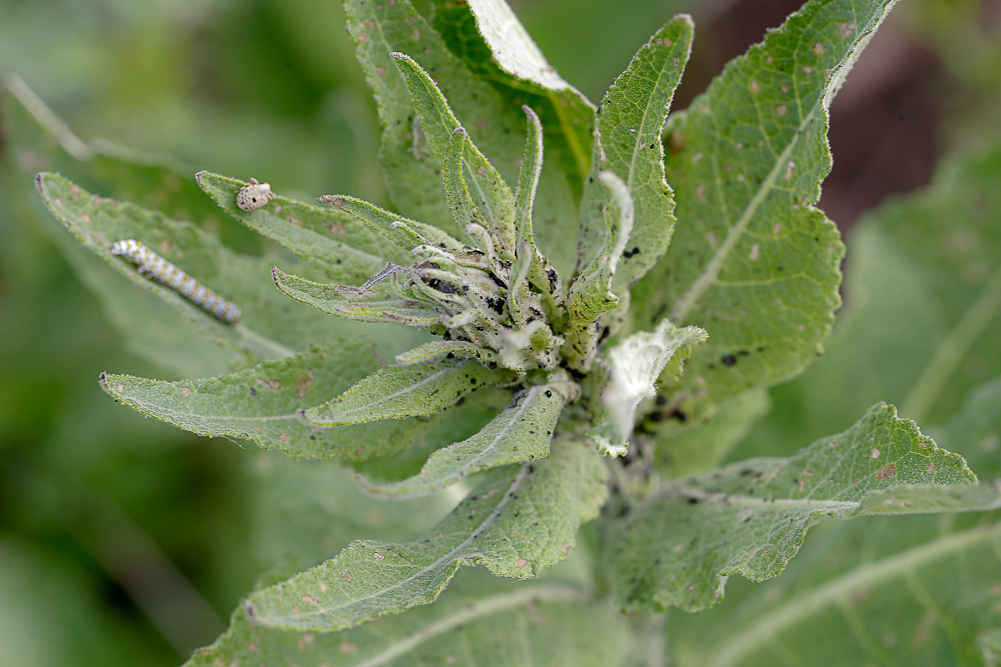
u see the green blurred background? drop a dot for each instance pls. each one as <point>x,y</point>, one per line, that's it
<point>125,541</point>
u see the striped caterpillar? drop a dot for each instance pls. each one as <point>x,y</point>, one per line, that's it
<point>161,270</point>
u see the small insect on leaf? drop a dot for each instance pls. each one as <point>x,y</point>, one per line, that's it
<point>253,196</point>
<point>151,264</point>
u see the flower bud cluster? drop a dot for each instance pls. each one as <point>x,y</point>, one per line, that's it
<point>482,299</point>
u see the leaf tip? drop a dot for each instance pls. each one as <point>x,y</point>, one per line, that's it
<point>684,18</point>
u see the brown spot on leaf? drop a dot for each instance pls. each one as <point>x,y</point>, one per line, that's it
<point>889,471</point>
<point>303,384</point>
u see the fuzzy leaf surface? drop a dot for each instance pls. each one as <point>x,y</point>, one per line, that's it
<point>752,261</point>
<point>402,232</point>
<point>479,619</point>
<point>263,403</point>
<point>420,389</point>
<point>521,432</point>
<point>751,518</point>
<point>517,521</point>
<point>340,245</point>
<point>627,142</point>
<point>540,272</point>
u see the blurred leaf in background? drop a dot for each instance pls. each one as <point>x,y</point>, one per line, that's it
<point>128,542</point>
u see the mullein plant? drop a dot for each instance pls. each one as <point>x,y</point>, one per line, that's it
<point>605,317</point>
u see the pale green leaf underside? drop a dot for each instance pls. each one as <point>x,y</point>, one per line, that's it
<point>420,389</point>
<point>338,244</point>
<point>268,328</point>
<point>521,432</point>
<point>628,142</point>
<point>752,261</point>
<point>517,521</point>
<point>511,45</point>
<point>263,403</point>
<point>480,622</point>
<point>334,300</point>
<point>750,518</point>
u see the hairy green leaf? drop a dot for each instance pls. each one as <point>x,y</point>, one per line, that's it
<point>750,518</point>
<point>522,432</point>
<point>591,293</point>
<point>265,403</point>
<point>477,621</point>
<point>338,244</point>
<point>627,142</point>
<point>517,521</point>
<point>438,349</point>
<point>565,115</point>
<point>456,424</point>
<point>420,389</point>
<point>540,271</point>
<point>634,366</point>
<point>752,261</point>
<point>914,589</point>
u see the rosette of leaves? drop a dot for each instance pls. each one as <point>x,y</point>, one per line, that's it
<point>548,301</point>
